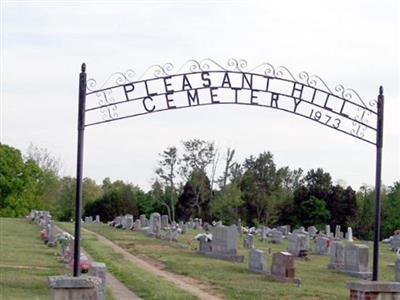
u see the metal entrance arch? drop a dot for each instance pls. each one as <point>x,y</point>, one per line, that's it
<point>206,82</point>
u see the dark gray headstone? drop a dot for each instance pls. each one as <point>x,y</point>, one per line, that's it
<point>322,245</point>
<point>395,242</point>
<point>276,236</point>
<point>257,261</point>
<point>248,242</point>
<point>336,256</point>
<point>356,261</point>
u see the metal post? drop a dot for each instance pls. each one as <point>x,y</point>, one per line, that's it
<point>379,143</point>
<point>78,196</point>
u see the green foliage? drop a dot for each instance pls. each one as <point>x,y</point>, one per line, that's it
<point>20,183</point>
<point>365,215</point>
<point>167,173</point>
<point>313,212</point>
<point>226,204</point>
<point>340,203</point>
<point>119,198</point>
<point>196,197</point>
<point>391,211</point>
<point>260,185</point>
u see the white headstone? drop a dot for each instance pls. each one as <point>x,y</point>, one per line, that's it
<point>349,235</point>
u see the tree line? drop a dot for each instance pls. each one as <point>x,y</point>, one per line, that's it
<point>197,179</point>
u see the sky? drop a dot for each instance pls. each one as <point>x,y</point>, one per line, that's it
<point>43,43</point>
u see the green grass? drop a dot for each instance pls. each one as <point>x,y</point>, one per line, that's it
<point>25,262</point>
<point>138,280</point>
<point>233,279</point>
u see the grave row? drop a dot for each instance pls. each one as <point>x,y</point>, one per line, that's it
<point>221,242</point>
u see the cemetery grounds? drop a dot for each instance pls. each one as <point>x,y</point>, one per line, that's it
<point>26,263</point>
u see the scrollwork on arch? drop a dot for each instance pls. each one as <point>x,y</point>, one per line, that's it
<point>232,65</point>
<point>115,79</point>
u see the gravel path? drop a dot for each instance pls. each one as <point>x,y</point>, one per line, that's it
<point>183,282</point>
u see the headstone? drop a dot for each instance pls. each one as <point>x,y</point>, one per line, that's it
<point>336,256</point>
<point>224,243</point>
<point>185,228</point>
<point>86,220</point>
<point>197,224</point>
<point>164,221</point>
<point>349,234</point>
<point>284,229</point>
<point>374,290</point>
<point>356,261</point>
<point>322,245</point>
<point>171,235</point>
<point>257,261</point>
<point>128,222</point>
<point>71,288</point>
<point>97,219</point>
<point>395,242</point>
<point>117,221</point>
<point>397,272</point>
<point>51,238</point>
<point>263,237</point>
<point>137,225</point>
<point>206,226</point>
<point>239,227</point>
<point>143,220</point>
<point>328,230</point>
<point>298,244</point>
<point>155,225</point>
<point>90,219</point>
<point>276,237</point>
<point>337,232</point>
<point>204,245</point>
<point>99,270</point>
<point>282,267</point>
<point>248,242</point>
<point>123,222</point>
<point>301,231</point>
<point>191,223</point>
<point>312,231</point>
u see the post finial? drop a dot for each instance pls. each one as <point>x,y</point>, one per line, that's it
<point>380,90</point>
<point>83,68</point>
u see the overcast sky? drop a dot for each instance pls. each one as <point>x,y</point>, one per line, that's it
<point>354,43</point>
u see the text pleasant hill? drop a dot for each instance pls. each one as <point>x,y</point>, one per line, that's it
<point>211,87</point>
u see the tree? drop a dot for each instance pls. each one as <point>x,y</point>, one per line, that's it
<point>365,214</point>
<point>313,212</point>
<point>48,183</point>
<point>119,198</point>
<point>196,197</point>
<point>197,155</point>
<point>340,202</point>
<point>229,164</point>
<point>227,202</point>
<point>260,186</point>
<point>65,202</point>
<point>167,173</point>
<point>391,210</point>
<point>19,188</point>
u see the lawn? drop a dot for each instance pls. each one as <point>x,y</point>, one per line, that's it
<point>233,279</point>
<point>25,262</point>
<point>138,280</point>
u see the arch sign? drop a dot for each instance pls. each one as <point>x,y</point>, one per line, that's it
<point>206,82</point>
